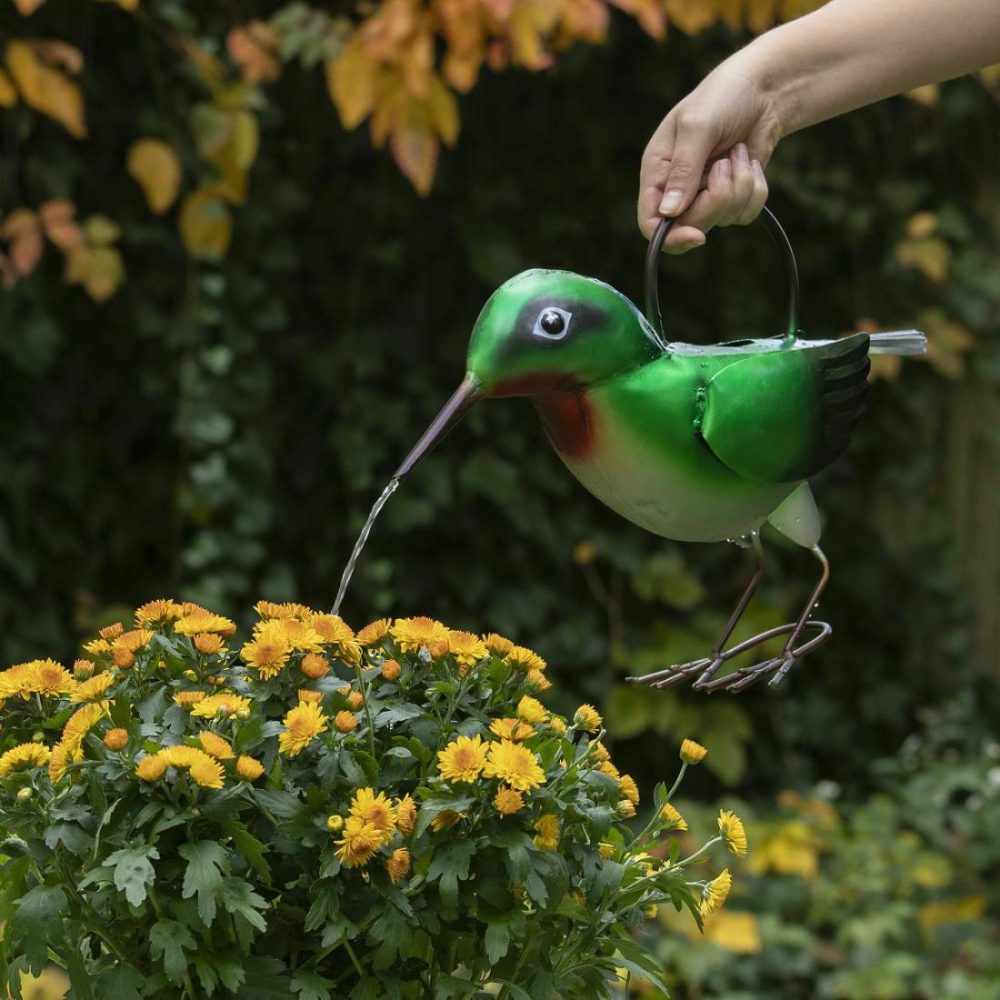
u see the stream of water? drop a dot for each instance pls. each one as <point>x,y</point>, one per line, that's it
<point>359,545</point>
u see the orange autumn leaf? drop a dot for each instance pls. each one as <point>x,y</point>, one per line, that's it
<point>206,224</point>
<point>24,234</point>
<point>252,47</point>
<point>28,7</point>
<point>415,150</point>
<point>761,15</point>
<point>57,216</point>
<point>45,88</point>
<point>154,165</point>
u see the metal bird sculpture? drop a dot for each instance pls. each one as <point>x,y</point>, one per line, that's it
<point>694,443</point>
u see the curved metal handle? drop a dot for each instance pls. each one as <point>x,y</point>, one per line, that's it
<point>652,272</point>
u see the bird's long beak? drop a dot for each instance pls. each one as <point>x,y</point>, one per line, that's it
<point>469,392</point>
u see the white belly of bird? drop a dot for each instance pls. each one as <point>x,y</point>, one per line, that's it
<point>671,499</point>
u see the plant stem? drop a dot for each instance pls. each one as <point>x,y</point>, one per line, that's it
<point>368,711</point>
<point>354,958</point>
<point>701,850</point>
<point>676,784</point>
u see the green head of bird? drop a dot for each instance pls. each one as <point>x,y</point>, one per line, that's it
<point>544,331</point>
<point>550,330</point>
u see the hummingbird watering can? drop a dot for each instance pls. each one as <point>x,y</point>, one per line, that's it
<point>698,443</point>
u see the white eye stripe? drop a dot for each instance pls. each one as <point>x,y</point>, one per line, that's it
<point>552,323</point>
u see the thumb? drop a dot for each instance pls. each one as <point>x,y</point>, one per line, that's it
<point>691,150</point>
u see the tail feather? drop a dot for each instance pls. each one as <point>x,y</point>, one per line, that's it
<point>905,342</point>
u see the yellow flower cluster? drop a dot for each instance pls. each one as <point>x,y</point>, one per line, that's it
<point>287,629</point>
<point>23,757</point>
<point>371,823</point>
<point>203,769</point>
<point>74,732</point>
<point>43,677</point>
<point>302,725</point>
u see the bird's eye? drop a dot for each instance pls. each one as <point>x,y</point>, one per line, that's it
<point>552,323</point>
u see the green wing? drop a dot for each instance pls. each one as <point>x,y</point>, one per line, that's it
<point>783,415</point>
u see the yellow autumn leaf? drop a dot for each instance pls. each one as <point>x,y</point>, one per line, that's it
<point>206,224</point>
<point>154,165</point>
<point>927,95</point>
<point>948,341</point>
<point>761,15</point>
<point>128,4</point>
<point>442,107</point>
<point>921,225</point>
<point>46,89</point>
<point>100,270</point>
<point>100,231</point>
<point>691,16</point>
<point>8,95</point>
<point>931,255</point>
<point>415,150</point>
<point>351,79</point>
<point>28,7</point>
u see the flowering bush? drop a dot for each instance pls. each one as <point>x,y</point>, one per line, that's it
<point>391,813</point>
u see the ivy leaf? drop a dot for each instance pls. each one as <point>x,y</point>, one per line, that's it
<point>207,862</point>
<point>311,985</point>
<point>37,923</point>
<point>133,871</point>
<point>168,940</point>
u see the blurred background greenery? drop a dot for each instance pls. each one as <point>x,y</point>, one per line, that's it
<point>206,383</point>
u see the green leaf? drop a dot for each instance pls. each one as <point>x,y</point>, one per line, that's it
<point>430,807</point>
<point>76,840</point>
<point>251,848</point>
<point>168,940</point>
<point>311,985</point>
<point>266,979</point>
<point>239,899</point>
<point>38,923</point>
<point>133,871</point>
<point>450,865</point>
<point>497,939</point>
<point>207,863</point>
<point>392,932</point>
<point>123,982</point>
<point>281,805</point>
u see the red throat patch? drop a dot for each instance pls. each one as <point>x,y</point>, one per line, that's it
<point>568,418</point>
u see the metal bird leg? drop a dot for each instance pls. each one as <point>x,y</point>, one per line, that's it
<point>779,666</point>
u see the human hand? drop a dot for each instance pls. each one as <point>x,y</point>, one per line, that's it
<point>728,118</point>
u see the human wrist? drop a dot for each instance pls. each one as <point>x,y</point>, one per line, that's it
<point>776,78</point>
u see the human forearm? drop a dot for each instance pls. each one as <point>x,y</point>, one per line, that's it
<point>850,53</point>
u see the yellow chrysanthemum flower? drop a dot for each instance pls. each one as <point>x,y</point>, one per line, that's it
<point>606,850</point>
<point>216,746</point>
<point>360,840</point>
<point>335,823</point>
<point>272,609</point>
<point>302,725</point>
<point>356,700</point>
<point>209,644</point>
<point>626,808</point>
<point>538,680</point>
<point>314,697</point>
<point>390,670</point>
<point>525,659</point>
<point>692,753</point>
<point>376,810</point>
<point>731,828</point>
<point>201,620</point>
<point>515,765</point>
<point>203,770</point>
<point>672,818</point>
<point>508,801</point>
<point>157,612</point>
<point>599,751</point>
<point>445,820</point>
<point>81,722</point>
<point>511,729</point>
<point>606,767</point>
<point>223,703</point>
<point>22,757</point>
<point>267,653</point>
<point>206,772</point>
<point>300,636</point>
<point>133,641</point>
<point>345,722</point>
<point>82,669</point>
<point>547,838</point>
<point>629,788</point>
<point>116,739</point>
<point>59,761</point>
<point>406,815</point>
<point>249,768</point>
<point>398,864</point>
<point>374,633</point>
<point>412,634</point>
<point>152,767</point>
<point>180,755</point>
<point>557,724</point>
<point>91,690</point>
<point>587,717</point>
<point>468,649</point>
<point>44,677</point>
<point>97,647</point>
<point>716,892</point>
<point>331,629</point>
<point>188,698</point>
<point>122,657</point>
<point>463,759</point>
<point>111,631</point>
<point>531,710</point>
<point>497,644</point>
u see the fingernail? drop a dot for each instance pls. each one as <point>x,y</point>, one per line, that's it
<point>757,168</point>
<point>671,202</point>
